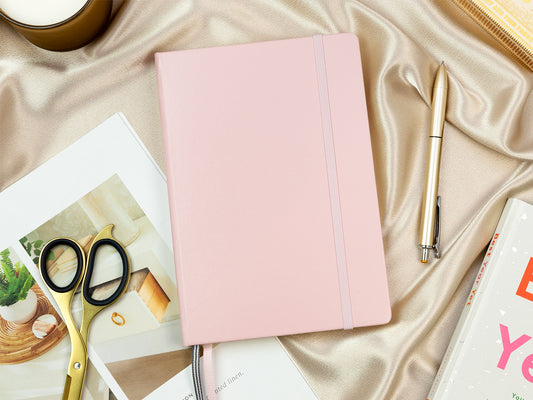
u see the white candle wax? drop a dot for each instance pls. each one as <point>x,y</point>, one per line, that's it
<point>41,12</point>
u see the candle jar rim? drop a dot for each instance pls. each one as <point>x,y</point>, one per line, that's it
<point>49,26</point>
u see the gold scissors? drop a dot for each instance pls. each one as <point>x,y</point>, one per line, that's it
<point>90,307</point>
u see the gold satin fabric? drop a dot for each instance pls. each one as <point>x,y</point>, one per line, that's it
<point>49,100</point>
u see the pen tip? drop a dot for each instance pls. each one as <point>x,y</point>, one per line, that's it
<point>425,255</point>
<point>442,63</point>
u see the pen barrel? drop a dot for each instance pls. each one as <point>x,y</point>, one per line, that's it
<point>429,201</point>
<point>437,118</point>
<point>438,103</point>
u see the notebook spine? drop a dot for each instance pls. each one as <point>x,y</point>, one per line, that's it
<point>167,137</point>
<point>515,44</point>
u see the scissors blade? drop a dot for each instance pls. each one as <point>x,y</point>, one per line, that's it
<point>76,368</point>
<point>66,390</point>
<point>73,387</point>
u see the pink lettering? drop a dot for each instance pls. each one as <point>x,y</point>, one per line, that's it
<point>527,365</point>
<point>509,347</point>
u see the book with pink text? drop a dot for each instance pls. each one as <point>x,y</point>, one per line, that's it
<point>273,201</point>
<point>490,356</point>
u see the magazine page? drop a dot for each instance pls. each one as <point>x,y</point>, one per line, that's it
<point>258,369</point>
<point>107,177</point>
<point>34,346</point>
<point>135,346</point>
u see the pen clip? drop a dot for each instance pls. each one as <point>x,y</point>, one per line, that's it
<point>436,239</point>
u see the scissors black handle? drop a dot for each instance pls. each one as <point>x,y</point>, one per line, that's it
<point>79,264</point>
<point>90,267</point>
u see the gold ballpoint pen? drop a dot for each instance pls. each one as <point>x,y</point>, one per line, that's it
<point>430,216</point>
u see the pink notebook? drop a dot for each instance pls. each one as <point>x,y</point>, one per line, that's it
<point>271,183</point>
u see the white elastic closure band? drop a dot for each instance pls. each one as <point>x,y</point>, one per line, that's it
<point>329,147</point>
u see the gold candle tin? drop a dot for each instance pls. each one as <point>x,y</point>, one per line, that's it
<point>72,33</point>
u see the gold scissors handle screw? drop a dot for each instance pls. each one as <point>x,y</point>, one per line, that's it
<point>77,365</point>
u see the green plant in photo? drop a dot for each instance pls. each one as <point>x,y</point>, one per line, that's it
<point>15,280</point>
<point>32,248</point>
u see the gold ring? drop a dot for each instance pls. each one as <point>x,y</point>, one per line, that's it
<point>121,321</point>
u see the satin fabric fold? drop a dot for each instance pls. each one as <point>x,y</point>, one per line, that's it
<point>48,100</point>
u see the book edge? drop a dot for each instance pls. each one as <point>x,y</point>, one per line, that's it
<point>469,310</point>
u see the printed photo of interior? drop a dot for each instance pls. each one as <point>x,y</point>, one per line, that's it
<point>33,337</point>
<point>143,325</point>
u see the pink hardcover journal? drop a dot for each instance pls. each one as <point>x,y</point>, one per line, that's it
<point>273,201</point>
